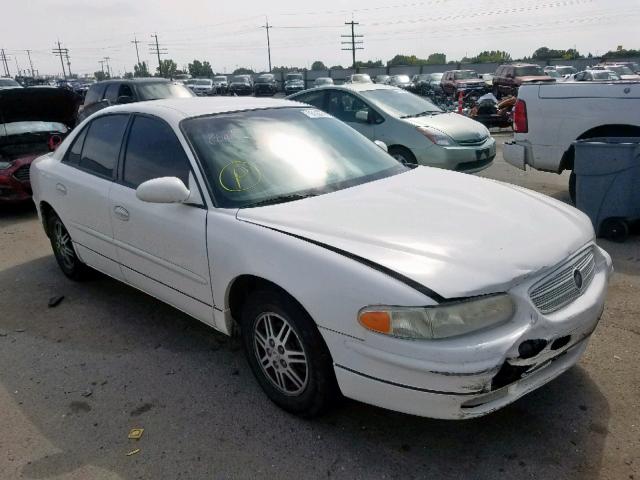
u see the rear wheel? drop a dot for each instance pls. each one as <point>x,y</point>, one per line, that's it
<point>63,250</point>
<point>287,354</point>
<point>614,229</point>
<point>403,155</point>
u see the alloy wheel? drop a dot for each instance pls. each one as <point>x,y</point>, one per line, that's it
<point>62,241</point>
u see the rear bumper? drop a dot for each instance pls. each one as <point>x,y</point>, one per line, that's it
<point>12,190</point>
<point>517,154</point>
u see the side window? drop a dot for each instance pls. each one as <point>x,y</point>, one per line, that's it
<point>73,154</point>
<point>112,93</point>
<point>125,91</point>
<point>102,145</point>
<point>94,94</point>
<point>313,98</point>
<point>153,151</point>
<point>344,106</point>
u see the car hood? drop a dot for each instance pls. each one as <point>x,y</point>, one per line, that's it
<point>454,233</point>
<point>38,104</point>
<point>458,127</point>
<point>536,78</point>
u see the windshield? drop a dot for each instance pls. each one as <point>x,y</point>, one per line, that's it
<point>7,82</point>
<point>382,77</point>
<point>565,70</point>
<point>156,91</point>
<point>400,103</point>
<point>401,79</point>
<point>220,79</point>
<point>294,76</point>
<point>241,78</point>
<point>465,75</point>
<point>620,69</point>
<point>529,71</point>
<point>604,75</point>
<point>274,155</point>
<point>436,77</point>
<point>265,78</point>
<point>20,128</point>
<point>361,78</point>
<point>203,82</point>
<point>553,74</point>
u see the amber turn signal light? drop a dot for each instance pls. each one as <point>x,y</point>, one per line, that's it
<point>376,321</point>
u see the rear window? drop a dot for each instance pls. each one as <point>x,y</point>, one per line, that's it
<point>94,94</point>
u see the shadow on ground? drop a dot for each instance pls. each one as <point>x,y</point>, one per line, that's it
<point>147,365</point>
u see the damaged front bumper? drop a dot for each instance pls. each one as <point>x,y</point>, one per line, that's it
<point>473,375</point>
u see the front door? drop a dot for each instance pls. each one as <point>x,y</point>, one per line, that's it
<point>353,111</point>
<point>162,247</point>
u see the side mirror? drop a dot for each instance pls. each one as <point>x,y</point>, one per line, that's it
<point>382,145</point>
<point>124,99</point>
<point>163,190</point>
<point>362,116</point>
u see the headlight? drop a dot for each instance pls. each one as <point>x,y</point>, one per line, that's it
<point>4,164</point>
<point>440,321</point>
<point>436,136</point>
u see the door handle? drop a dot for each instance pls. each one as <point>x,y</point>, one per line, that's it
<point>121,213</point>
<point>62,190</point>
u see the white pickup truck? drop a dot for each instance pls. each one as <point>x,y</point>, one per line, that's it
<point>548,118</point>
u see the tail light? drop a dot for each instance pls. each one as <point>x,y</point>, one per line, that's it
<point>520,124</point>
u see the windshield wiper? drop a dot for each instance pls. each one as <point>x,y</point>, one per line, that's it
<point>422,114</point>
<point>280,199</point>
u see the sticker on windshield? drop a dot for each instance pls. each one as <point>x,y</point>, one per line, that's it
<point>315,113</point>
<point>239,176</point>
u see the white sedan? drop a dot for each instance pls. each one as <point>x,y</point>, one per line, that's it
<point>415,289</point>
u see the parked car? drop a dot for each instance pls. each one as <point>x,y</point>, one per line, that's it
<point>454,81</point>
<point>595,75</point>
<point>487,78</point>
<point>265,84</point>
<point>294,82</point>
<point>624,72</point>
<point>549,118</point>
<point>33,121</point>
<point>391,316</point>
<point>241,85</point>
<point>508,78</point>
<point>633,66</point>
<point>115,92</point>
<point>400,81</point>
<point>203,87</point>
<point>417,132</point>
<point>6,83</point>
<point>563,70</point>
<point>319,82</point>
<point>382,79</point>
<point>221,83</point>
<point>420,83</point>
<point>435,82</point>
<point>359,78</point>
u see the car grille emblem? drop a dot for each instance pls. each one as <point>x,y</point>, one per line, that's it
<point>577,278</point>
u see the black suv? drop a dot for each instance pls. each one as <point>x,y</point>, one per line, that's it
<point>265,83</point>
<point>115,92</point>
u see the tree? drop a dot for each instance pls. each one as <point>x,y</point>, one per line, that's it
<point>621,53</point>
<point>437,59</point>
<point>100,75</point>
<point>544,53</point>
<point>493,56</point>
<point>318,65</point>
<point>337,67</point>
<point>128,75</point>
<point>200,69</point>
<point>406,60</point>
<point>370,64</point>
<point>243,71</point>
<point>284,69</point>
<point>167,68</point>
<point>141,70</point>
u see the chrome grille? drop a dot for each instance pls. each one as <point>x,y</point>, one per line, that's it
<point>22,173</point>
<point>472,142</point>
<point>560,288</point>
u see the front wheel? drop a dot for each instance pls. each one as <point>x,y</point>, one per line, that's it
<point>404,156</point>
<point>287,354</point>
<point>63,250</point>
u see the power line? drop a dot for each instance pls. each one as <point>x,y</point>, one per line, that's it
<point>353,41</point>
<point>267,27</point>
<point>61,52</point>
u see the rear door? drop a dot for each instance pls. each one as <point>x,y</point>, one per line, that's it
<point>162,247</point>
<point>82,191</point>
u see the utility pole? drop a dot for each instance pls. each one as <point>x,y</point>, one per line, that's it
<point>135,41</point>
<point>61,52</point>
<point>3,57</point>
<point>66,54</point>
<point>353,41</point>
<point>267,27</point>
<point>106,59</point>
<point>101,62</point>
<point>30,63</point>
<point>155,48</point>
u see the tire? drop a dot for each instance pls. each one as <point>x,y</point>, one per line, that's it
<point>303,383</point>
<point>614,229</point>
<point>63,250</point>
<point>572,187</point>
<point>403,155</point>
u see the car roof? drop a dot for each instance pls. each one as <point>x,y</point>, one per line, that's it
<point>356,87</point>
<point>180,108</point>
<point>133,80</point>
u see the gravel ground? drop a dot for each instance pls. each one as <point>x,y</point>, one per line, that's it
<point>75,378</point>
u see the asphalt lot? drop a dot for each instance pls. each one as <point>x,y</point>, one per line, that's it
<point>76,378</point>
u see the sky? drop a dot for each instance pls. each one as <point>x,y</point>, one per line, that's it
<point>229,34</point>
